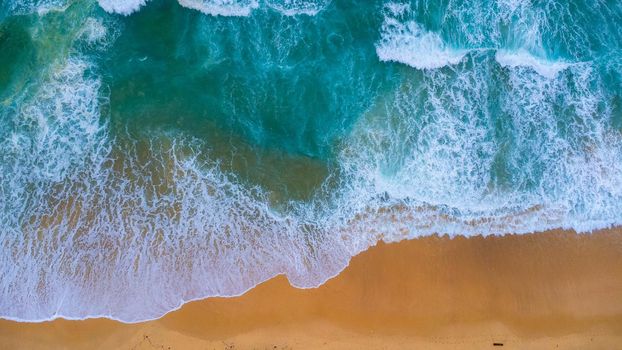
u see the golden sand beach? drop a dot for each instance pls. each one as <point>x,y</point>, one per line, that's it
<point>552,290</point>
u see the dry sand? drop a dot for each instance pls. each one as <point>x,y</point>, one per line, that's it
<point>553,290</point>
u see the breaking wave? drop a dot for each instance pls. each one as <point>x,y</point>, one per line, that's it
<point>227,8</point>
<point>406,41</point>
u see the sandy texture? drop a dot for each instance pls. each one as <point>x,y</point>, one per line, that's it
<point>541,291</point>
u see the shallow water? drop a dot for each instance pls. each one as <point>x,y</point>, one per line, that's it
<point>203,146</point>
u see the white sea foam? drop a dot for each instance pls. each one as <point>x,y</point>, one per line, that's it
<point>241,8</point>
<point>27,7</point>
<point>97,34</point>
<point>406,41</point>
<point>298,7</point>
<point>94,30</point>
<point>522,58</point>
<point>57,129</point>
<point>222,7</point>
<point>123,7</point>
<point>24,7</point>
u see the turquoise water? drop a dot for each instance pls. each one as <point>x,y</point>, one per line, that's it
<point>201,147</point>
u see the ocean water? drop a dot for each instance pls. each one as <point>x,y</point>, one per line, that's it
<point>154,152</point>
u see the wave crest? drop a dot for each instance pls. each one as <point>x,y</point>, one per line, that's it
<point>226,8</point>
<point>406,41</point>
<point>123,7</point>
<point>522,58</point>
<point>221,7</point>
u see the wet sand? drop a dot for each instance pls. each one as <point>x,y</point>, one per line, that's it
<point>539,291</point>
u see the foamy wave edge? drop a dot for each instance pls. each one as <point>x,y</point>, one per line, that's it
<point>404,40</point>
<point>208,296</point>
<point>225,8</point>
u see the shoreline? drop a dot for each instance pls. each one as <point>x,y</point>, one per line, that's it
<point>533,291</point>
